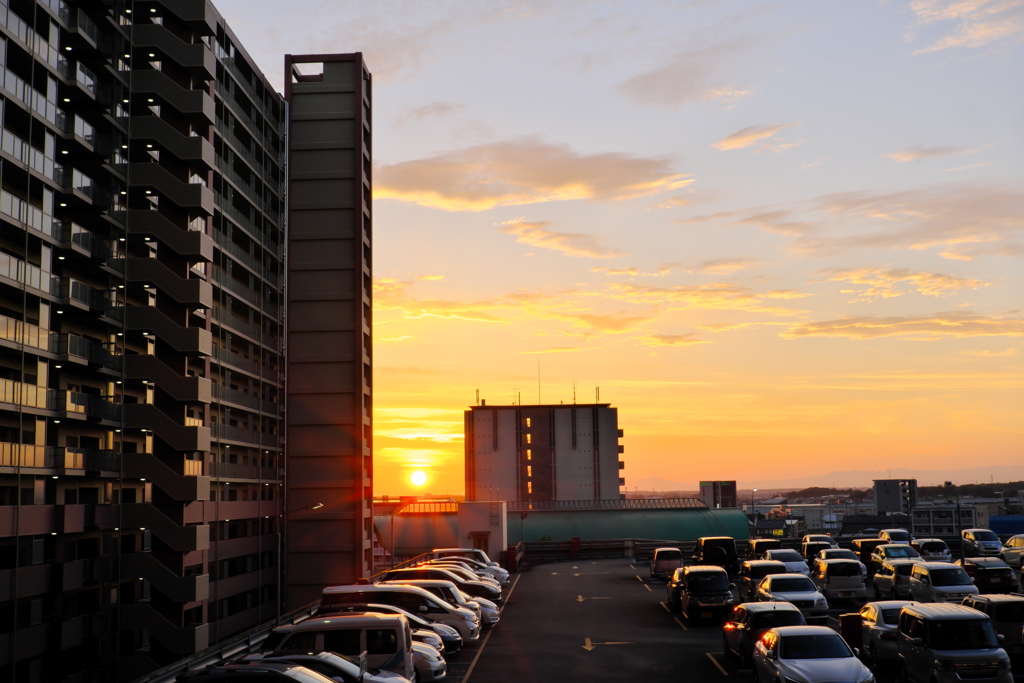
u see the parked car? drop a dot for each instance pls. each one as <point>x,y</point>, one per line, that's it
<point>819,538</point>
<point>1007,615</point>
<point>935,643</point>
<point>428,662</point>
<point>450,638</point>
<point>863,547</point>
<point>756,547</point>
<point>940,582</point>
<point>809,654</point>
<point>664,561</point>
<point>464,567</point>
<point>410,598</point>
<point>751,573</point>
<point>473,553</point>
<point>932,549</point>
<point>485,610</point>
<point>277,672</point>
<point>901,536</point>
<point>989,574</point>
<point>700,592</point>
<point>749,621</point>
<point>484,589</point>
<point>719,551</point>
<point>878,621</point>
<point>890,551</point>
<point>979,542</point>
<point>839,554</point>
<point>839,579</point>
<point>1012,552</point>
<point>791,558</point>
<point>892,580</point>
<point>334,666</point>
<point>499,574</point>
<point>810,550</point>
<point>797,589</point>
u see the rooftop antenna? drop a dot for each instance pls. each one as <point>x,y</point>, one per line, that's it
<point>597,391</point>
<point>574,391</point>
<point>478,397</point>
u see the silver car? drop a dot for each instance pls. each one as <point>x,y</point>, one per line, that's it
<point>979,543</point>
<point>332,665</point>
<point>933,550</point>
<point>878,621</point>
<point>796,589</point>
<point>807,654</point>
<point>791,558</point>
<point>1012,552</point>
<point>429,663</point>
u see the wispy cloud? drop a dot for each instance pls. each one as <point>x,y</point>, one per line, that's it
<point>672,340</point>
<point>523,171</point>
<point>434,110</point>
<point>555,349</point>
<point>751,135</point>
<point>694,75</point>
<point>716,295</point>
<point>631,271</point>
<point>919,152</point>
<point>957,325</point>
<point>537,234</point>
<point>977,22</point>
<point>985,353</point>
<point>886,283</point>
<point>725,266</point>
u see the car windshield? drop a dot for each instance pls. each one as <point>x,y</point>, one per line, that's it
<point>954,576</point>
<point>934,546</point>
<point>785,555</point>
<point>777,617</point>
<point>840,555</point>
<point>708,582</point>
<point>823,646</point>
<point>668,555</point>
<point>901,551</point>
<point>891,615</point>
<point>796,584</point>
<point>899,535</point>
<point>985,536</point>
<point>904,569</point>
<point>761,572</point>
<point>961,634</point>
<point>843,569</point>
<point>271,642</point>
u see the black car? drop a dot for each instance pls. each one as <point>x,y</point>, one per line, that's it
<point>719,551</point>
<point>701,592</point>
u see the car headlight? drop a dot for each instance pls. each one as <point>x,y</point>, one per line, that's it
<point>869,678</point>
<point>820,602</point>
<point>430,656</point>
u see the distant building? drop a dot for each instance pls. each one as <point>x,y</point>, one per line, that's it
<point>718,494</point>
<point>940,520</point>
<point>895,495</point>
<point>543,452</point>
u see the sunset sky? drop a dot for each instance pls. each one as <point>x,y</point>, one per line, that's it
<point>783,239</point>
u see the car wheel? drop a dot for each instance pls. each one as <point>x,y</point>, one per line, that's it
<point>873,657</point>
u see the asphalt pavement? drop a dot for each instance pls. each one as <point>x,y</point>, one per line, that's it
<point>596,621</point>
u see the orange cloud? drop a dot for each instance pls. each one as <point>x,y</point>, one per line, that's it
<point>570,243</point>
<point>523,171</point>
<point>956,325</point>
<point>918,152</point>
<point>884,283</point>
<point>672,340</point>
<point>725,266</point>
<point>985,353</point>
<point>715,295</point>
<point>751,135</point>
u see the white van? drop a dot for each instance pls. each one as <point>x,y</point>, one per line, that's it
<point>839,579</point>
<point>409,598</point>
<point>664,561</point>
<point>385,638</point>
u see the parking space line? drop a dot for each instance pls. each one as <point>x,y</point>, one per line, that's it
<point>665,605</point>
<point>715,662</point>
<point>681,624</point>
<point>647,587</point>
<point>480,650</point>
<point>638,578</point>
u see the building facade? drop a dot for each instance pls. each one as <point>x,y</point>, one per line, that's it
<point>543,452</point>
<point>718,494</point>
<point>895,495</point>
<point>142,288</point>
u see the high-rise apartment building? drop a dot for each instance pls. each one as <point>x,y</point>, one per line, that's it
<point>718,494</point>
<point>142,338</point>
<point>895,495</point>
<point>543,452</point>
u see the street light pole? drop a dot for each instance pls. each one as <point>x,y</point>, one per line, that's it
<point>753,513</point>
<point>959,531</point>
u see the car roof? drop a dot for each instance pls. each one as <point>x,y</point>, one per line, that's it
<point>709,568</point>
<point>668,547</point>
<point>432,583</point>
<point>839,560</point>
<point>936,565</point>
<point>770,606</point>
<point>906,560</point>
<point>716,538</point>
<point>928,540</point>
<point>885,546</point>
<point>790,575</point>
<point>889,604</point>
<point>354,619</point>
<point>764,563</point>
<point>991,561</point>
<point>803,630</point>
<point>943,610</point>
<point>998,597</point>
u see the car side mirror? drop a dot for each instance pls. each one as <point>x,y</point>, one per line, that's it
<point>770,654</point>
<point>919,642</point>
<point>856,652</point>
<point>731,586</point>
<point>423,608</point>
<point>1000,637</point>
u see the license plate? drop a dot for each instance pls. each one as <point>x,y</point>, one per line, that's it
<point>705,615</point>
<point>846,594</point>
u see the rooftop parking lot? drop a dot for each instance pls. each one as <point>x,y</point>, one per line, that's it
<point>600,620</point>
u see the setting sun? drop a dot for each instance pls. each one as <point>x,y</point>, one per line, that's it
<point>418,478</point>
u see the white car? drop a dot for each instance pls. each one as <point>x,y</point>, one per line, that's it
<point>878,621</point>
<point>841,554</point>
<point>796,589</point>
<point>807,654</point>
<point>940,582</point>
<point>499,574</point>
<point>794,562</point>
<point>332,665</point>
<point>429,663</point>
<point>979,543</point>
<point>819,538</point>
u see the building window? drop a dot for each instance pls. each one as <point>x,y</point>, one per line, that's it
<point>527,422</point>
<point>529,470</point>
<point>529,487</point>
<point>529,454</point>
<point>529,438</point>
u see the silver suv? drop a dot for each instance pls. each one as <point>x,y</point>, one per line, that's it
<point>979,542</point>
<point>947,643</point>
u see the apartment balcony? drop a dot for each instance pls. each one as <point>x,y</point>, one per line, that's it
<point>178,588</point>
<point>178,386</point>
<point>182,640</point>
<point>196,103</point>
<point>191,292</point>
<point>162,182</point>
<point>177,537</point>
<point>31,581</point>
<point>188,340</point>
<point>185,147</point>
<point>190,243</point>
<point>194,57</point>
<point>23,644</point>
<point>178,436</point>
<point>189,486</point>
<point>193,13</point>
